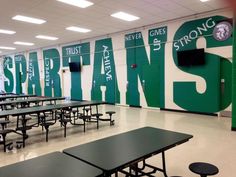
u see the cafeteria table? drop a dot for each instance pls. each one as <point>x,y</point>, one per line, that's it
<point>42,109</point>
<point>115,153</point>
<point>26,102</point>
<point>4,97</point>
<point>55,164</point>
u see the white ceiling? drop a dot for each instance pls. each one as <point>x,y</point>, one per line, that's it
<point>97,18</point>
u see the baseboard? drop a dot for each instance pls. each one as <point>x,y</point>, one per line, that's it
<point>132,106</point>
<point>233,129</point>
<point>191,112</point>
<point>111,104</point>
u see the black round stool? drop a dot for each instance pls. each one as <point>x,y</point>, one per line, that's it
<point>98,115</point>
<point>110,113</point>
<point>3,141</point>
<point>4,123</point>
<point>203,169</point>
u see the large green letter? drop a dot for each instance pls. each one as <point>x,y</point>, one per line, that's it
<point>8,84</point>
<point>151,74</point>
<point>34,86</point>
<point>104,58</point>
<point>20,72</point>
<point>75,53</point>
<point>52,79</point>
<point>234,79</point>
<point>215,70</point>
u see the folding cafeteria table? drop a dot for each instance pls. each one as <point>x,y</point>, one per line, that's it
<point>55,164</point>
<point>113,154</point>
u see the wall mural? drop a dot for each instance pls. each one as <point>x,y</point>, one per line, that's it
<point>52,79</point>
<point>20,72</point>
<point>1,75</point>
<point>145,62</point>
<point>76,53</point>
<point>212,100</point>
<point>9,78</point>
<point>34,85</point>
<point>151,74</point>
<point>104,58</point>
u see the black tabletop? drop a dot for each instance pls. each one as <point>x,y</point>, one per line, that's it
<point>15,96</point>
<point>30,110</point>
<point>112,153</point>
<point>80,103</point>
<point>31,100</point>
<point>51,165</point>
<point>8,93</point>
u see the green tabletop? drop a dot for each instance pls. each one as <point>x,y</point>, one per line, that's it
<point>15,96</point>
<point>115,152</point>
<point>80,104</point>
<point>51,165</point>
<point>8,93</point>
<point>37,109</point>
<point>31,100</point>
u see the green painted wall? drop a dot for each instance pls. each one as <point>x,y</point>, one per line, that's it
<point>150,73</point>
<point>76,53</point>
<point>34,86</point>
<point>234,81</point>
<point>9,82</point>
<point>52,78</point>
<point>104,58</point>
<point>213,72</point>
<point>20,72</point>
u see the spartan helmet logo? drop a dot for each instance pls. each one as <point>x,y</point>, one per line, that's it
<point>222,31</point>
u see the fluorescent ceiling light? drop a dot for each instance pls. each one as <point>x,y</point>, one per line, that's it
<point>204,0</point>
<point>24,43</point>
<point>7,48</point>
<point>28,19</point>
<point>7,31</point>
<point>78,29</point>
<point>78,3</point>
<point>46,37</point>
<point>125,16</point>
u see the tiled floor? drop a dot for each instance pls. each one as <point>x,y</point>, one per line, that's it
<point>213,141</point>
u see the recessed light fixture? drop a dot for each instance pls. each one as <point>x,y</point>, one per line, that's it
<point>125,16</point>
<point>4,31</point>
<point>28,19</point>
<point>24,43</point>
<point>204,0</point>
<point>78,29</point>
<point>46,37</point>
<point>78,3</point>
<point>7,48</point>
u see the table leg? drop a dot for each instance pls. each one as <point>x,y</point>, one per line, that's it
<point>116,174</point>
<point>97,109</point>
<point>164,164</point>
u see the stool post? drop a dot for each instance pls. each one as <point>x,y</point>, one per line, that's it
<point>97,121</point>
<point>84,124</point>
<point>65,124</point>
<point>4,141</point>
<point>46,133</point>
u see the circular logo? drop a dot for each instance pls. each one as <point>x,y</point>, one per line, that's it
<point>222,31</point>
